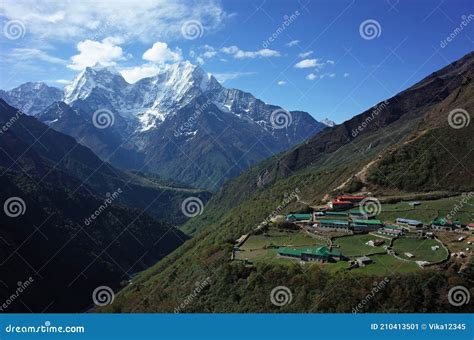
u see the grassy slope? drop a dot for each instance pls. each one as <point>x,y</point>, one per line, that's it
<point>442,158</point>
<point>242,204</point>
<point>429,210</point>
<point>164,286</point>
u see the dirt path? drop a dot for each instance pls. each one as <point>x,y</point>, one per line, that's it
<point>361,175</point>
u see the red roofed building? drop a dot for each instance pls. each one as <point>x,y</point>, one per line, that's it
<point>353,199</point>
<point>340,205</point>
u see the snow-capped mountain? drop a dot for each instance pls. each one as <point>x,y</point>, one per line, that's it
<point>148,101</point>
<point>103,82</point>
<point>32,97</point>
<point>180,123</point>
<point>172,88</point>
<point>327,122</point>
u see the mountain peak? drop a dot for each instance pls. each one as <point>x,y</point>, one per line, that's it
<point>184,64</point>
<point>182,72</point>
<point>98,67</point>
<point>32,97</point>
<point>328,122</point>
<point>31,85</point>
<point>91,78</point>
<point>37,85</point>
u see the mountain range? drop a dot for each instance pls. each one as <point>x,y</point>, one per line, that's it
<point>180,123</point>
<point>410,144</point>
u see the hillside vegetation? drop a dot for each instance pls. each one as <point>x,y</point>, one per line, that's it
<point>317,168</point>
<point>58,185</point>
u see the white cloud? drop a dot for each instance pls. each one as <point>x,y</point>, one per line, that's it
<point>330,75</point>
<point>133,74</point>
<point>240,54</point>
<point>92,52</point>
<point>25,54</point>
<point>261,53</point>
<point>204,52</point>
<point>209,53</point>
<point>308,63</point>
<point>230,49</point>
<point>61,81</point>
<point>155,56</point>
<point>329,61</point>
<point>311,76</point>
<point>160,53</point>
<point>293,43</point>
<point>281,82</point>
<point>345,75</point>
<point>224,77</point>
<point>305,54</point>
<point>147,20</point>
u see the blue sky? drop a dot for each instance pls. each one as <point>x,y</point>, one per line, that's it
<point>331,58</point>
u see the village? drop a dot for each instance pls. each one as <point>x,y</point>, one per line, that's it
<point>343,234</point>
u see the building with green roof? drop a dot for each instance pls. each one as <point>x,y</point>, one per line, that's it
<point>298,217</point>
<point>366,225</point>
<point>341,225</point>
<point>444,224</point>
<point>356,213</point>
<point>321,254</point>
<point>336,213</point>
<point>289,252</point>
